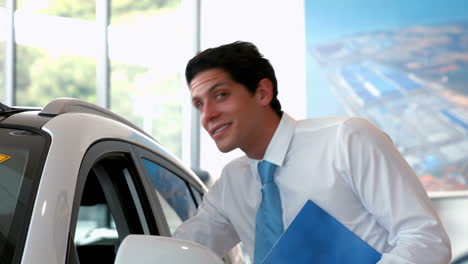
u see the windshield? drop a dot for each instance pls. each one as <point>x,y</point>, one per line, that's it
<point>20,166</point>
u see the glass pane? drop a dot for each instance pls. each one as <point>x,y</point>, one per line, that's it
<point>59,61</point>
<point>405,69</point>
<point>95,228</point>
<point>146,73</point>
<point>175,197</point>
<point>95,225</point>
<point>44,75</point>
<point>20,153</point>
<point>13,160</point>
<point>78,9</point>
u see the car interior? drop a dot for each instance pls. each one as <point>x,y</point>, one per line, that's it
<point>107,213</point>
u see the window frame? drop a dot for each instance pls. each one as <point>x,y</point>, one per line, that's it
<point>102,151</point>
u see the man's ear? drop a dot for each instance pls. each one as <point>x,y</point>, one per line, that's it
<point>264,92</point>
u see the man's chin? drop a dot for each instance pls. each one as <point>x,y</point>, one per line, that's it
<point>225,149</point>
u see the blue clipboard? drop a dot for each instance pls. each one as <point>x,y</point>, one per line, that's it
<point>316,237</point>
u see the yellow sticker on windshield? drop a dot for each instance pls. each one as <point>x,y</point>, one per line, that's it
<point>4,157</point>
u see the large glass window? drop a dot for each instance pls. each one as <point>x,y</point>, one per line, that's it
<point>404,68</point>
<point>148,50</point>
<point>77,9</point>
<point>149,42</point>
<point>56,43</point>
<point>175,197</point>
<point>20,153</point>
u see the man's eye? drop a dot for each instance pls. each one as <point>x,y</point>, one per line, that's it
<point>220,95</point>
<point>198,105</point>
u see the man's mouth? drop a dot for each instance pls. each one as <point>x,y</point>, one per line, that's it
<point>219,129</point>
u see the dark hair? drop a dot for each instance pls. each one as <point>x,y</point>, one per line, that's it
<point>242,61</point>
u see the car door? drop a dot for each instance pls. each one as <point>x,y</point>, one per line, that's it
<point>179,194</point>
<point>112,200</point>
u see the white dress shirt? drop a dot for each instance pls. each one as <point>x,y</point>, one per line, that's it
<point>346,166</point>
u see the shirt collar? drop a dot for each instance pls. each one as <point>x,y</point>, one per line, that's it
<point>279,144</point>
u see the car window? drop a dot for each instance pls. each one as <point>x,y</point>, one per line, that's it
<point>20,167</point>
<point>174,194</point>
<point>109,210</point>
<point>95,224</point>
<point>13,161</point>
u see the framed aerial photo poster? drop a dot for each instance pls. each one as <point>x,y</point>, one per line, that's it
<point>403,65</point>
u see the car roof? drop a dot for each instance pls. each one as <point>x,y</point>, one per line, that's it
<point>37,117</point>
<point>55,111</point>
<point>72,105</point>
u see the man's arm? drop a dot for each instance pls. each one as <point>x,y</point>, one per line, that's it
<point>209,227</point>
<point>390,190</point>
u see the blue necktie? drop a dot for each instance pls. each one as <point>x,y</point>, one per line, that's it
<point>269,221</point>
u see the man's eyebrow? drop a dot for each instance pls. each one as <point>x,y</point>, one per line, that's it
<point>213,87</point>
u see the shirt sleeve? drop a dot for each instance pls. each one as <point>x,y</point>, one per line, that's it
<point>390,190</point>
<point>209,226</point>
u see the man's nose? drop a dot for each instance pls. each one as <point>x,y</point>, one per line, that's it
<point>209,112</point>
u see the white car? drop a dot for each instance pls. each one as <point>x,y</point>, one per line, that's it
<point>77,179</point>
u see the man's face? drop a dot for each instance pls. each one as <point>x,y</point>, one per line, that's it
<point>229,112</point>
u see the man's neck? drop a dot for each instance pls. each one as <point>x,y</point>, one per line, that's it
<point>263,139</point>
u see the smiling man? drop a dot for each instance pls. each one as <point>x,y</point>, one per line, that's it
<point>345,165</point>
<point>232,115</point>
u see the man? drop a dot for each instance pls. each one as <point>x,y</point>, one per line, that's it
<point>345,165</point>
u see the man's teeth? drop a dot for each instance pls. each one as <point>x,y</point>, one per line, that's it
<point>219,129</point>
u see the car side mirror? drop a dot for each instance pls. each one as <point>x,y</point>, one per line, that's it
<point>145,249</point>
